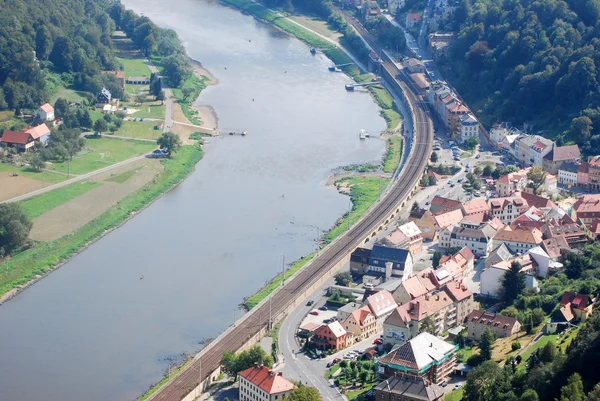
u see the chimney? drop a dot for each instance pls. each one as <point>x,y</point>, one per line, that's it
<point>256,364</point>
<point>271,373</point>
<point>279,373</point>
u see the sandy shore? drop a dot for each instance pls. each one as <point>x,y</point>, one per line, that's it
<point>207,116</point>
<point>201,71</point>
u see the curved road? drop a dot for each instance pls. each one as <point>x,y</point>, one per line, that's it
<point>209,359</point>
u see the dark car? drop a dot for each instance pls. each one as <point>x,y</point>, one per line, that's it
<point>333,362</point>
<point>323,307</point>
<point>309,303</point>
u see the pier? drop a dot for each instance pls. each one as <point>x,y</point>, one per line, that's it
<point>337,67</point>
<point>350,87</point>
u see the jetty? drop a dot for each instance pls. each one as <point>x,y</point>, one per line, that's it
<point>350,87</point>
<point>337,67</point>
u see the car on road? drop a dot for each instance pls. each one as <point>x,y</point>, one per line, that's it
<point>459,180</point>
<point>444,384</point>
<point>378,341</point>
<point>450,182</point>
<point>476,193</point>
<point>427,203</point>
<point>333,362</point>
<point>314,312</point>
<point>310,303</point>
<point>457,386</point>
<point>323,308</point>
<point>451,185</point>
<point>457,158</point>
<point>349,356</point>
<point>478,156</point>
<point>437,148</point>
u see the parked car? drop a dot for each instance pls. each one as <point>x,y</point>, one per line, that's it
<point>323,308</point>
<point>333,362</point>
<point>444,384</point>
<point>478,156</point>
<point>378,341</point>
<point>314,312</point>
<point>327,321</point>
<point>457,158</point>
<point>309,303</point>
<point>460,180</point>
<point>457,386</point>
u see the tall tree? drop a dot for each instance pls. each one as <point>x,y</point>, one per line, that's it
<point>305,393</point>
<point>486,344</point>
<point>512,284</point>
<point>573,390</point>
<point>14,227</point>
<point>487,382</point>
<point>427,325</point>
<point>170,142</point>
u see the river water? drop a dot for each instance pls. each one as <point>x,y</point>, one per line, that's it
<point>93,330</point>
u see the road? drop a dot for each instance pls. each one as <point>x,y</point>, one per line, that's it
<point>168,98</point>
<point>72,180</point>
<point>251,323</point>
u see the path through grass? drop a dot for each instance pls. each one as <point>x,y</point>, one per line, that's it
<point>40,204</point>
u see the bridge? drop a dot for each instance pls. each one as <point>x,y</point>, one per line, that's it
<point>338,66</point>
<point>204,368</point>
<point>350,87</point>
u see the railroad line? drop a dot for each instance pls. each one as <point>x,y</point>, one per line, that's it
<point>208,360</point>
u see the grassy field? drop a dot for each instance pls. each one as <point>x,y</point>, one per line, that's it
<point>133,89</point>
<point>40,204</point>
<point>68,94</point>
<point>455,395</point>
<point>121,178</point>
<point>391,117</point>
<point>149,109</point>
<point>25,266</point>
<point>393,154</point>
<point>272,285</point>
<point>139,129</point>
<point>364,191</point>
<point>135,67</point>
<point>383,97</point>
<point>46,176</point>
<point>539,344</point>
<point>102,152</point>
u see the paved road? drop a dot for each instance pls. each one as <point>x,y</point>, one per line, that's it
<point>72,180</point>
<point>168,98</point>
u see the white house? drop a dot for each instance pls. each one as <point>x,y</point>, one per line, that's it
<point>518,239</point>
<point>567,174</point>
<point>491,278</point>
<point>508,209</point>
<point>260,383</point>
<point>394,6</point>
<point>539,149</point>
<point>44,113</point>
<point>544,262</point>
<point>469,127</point>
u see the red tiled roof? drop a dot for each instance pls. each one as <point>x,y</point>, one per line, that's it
<point>578,301</point>
<point>445,202</point>
<point>561,153</point>
<point>17,137</point>
<point>492,319</point>
<point>47,108</point>
<point>266,379</point>
<point>38,131</point>
<point>413,16</point>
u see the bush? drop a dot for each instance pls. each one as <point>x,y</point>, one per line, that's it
<point>475,360</point>
<point>516,345</point>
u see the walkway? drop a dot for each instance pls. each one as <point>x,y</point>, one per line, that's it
<point>169,100</point>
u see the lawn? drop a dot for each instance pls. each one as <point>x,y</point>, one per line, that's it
<point>102,152</point>
<point>40,204</point>
<point>150,109</point>
<point>383,97</point>
<point>28,172</point>
<point>455,395</point>
<point>364,191</point>
<point>139,129</point>
<point>316,25</point>
<point>275,283</point>
<point>567,338</point>
<point>121,178</point>
<point>330,372</point>
<point>357,394</point>
<point>539,344</point>
<point>392,118</point>
<point>132,89</point>
<point>464,353</point>
<point>135,67</point>
<point>393,154</point>
<point>68,94</point>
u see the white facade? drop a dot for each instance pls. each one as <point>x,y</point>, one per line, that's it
<point>394,6</point>
<point>44,113</point>
<point>469,127</point>
<point>249,391</point>
<point>567,177</point>
<point>491,281</point>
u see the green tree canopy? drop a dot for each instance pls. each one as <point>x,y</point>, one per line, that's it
<point>14,227</point>
<point>486,344</point>
<point>512,284</point>
<point>170,142</point>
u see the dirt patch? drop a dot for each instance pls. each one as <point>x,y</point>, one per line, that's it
<point>208,116</point>
<point>184,131</point>
<point>16,186</point>
<point>77,212</point>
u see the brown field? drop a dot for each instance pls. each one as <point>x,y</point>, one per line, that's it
<point>183,131</point>
<point>15,186</point>
<point>75,213</point>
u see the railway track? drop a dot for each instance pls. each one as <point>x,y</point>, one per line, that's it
<point>209,359</point>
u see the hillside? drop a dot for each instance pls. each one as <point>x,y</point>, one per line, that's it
<point>521,60</point>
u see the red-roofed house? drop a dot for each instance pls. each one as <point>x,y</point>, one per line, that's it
<point>414,287</point>
<point>361,323</point>
<point>441,204</point>
<point>331,336</point>
<point>382,304</point>
<point>595,229</point>
<point>574,306</point>
<point>583,172</point>
<point>512,182</point>
<point>22,141</point>
<point>39,132</point>
<point>501,326</point>
<point>477,205</point>
<point>587,208</point>
<point>518,239</point>
<point>508,209</point>
<point>259,383</point>
<point>44,113</point>
<point>412,19</point>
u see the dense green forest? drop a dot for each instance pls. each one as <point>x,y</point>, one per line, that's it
<point>71,39</point>
<point>524,60</point>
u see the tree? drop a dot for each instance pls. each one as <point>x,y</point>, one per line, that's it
<point>529,395</point>
<point>512,283</point>
<point>170,142</point>
<point>186,93</point>
<point>471,142</point>
<point>140,97</point>
<point>61,107</point>
<point>160,96</point>
<point>536,176</point>
<point>581,127</point>
<point>547,353</point>
<point>431,180</point>
<point>594,394</point>
<point>428,326</point>
<point>14,226</point>
<point>461,338</point>
<point>487,170</point>
<point>305,393</point>
<point>486,382</point>
<point>232,363</point>
<point>343,278</point>
<point>575,265</point>
<point>573,390</point>
<point>434,157</point>
<point>100,125</point>
<point>415,206</point>
<point>424,181</point>
<point>486,344</point>
<point>37,163</point>
<point>437,255</point>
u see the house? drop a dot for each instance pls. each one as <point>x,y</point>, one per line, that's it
<point>499,254</point>
<point>138,80</point>
<point>430,224</point>
<point>583,173</point>
<point>550,184</point>
<point>414,66</point>
<point>469,127</point>
<point>414,287</point>
<point>554,247</point>
<point>22,141</point>
<point>475,206</point>
<point>576,307</point>
<point>518,238</point>
<point>421,81</point>
<point>439,42</point>
<point>260,383</point>
<point>545,264</point>
<point>120,77</point>
<point>441,204</point>
<point>40,133</point>
<point>387,262</point>
<point>502,326</point>
<point>535,200</point>
<point>44,113</point>
<point>491,278</point>
<point>425,356</point>
<point>567,174</point>
<point>539,150</point>
<point>432,175</point>
<point>353,3</point>
<point>512,182</point>
<point>412,20</point>
<point>594,230</point>
<point>395,5</point>
<point>571,232</point>
<point>475,236</point>
<point>381,304</point>
<point>346,310</point>
<point>459,265</point>
<point>586,208</point>
<point>409,389</point>
<point>362,323</point>
<point>560,155</point>
<point>331,336</point>
<point>594,173</point>
<point>407,236</point>
<point>103,96</point>
<point>446,307</point>
<point>370,10</point>
<point>359,261</point>
<point>507,209</point>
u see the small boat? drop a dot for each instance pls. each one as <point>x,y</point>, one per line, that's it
<point>244,133</point>
<point>362,134</point>
<point>141,278</point>
<point>232,133</point>
<point>313,50</point>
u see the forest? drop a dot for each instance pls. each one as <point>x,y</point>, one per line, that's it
<point>72,39</point>
<point>523,60</point>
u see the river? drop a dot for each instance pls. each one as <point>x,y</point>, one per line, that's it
<point>93,330</point>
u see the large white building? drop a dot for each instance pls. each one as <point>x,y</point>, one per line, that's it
<point>469,127</point>
<point>567,174</point>
<point>260,383</point>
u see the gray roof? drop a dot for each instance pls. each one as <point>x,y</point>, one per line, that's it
<point>569,167</point>
<point>411,387</point>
